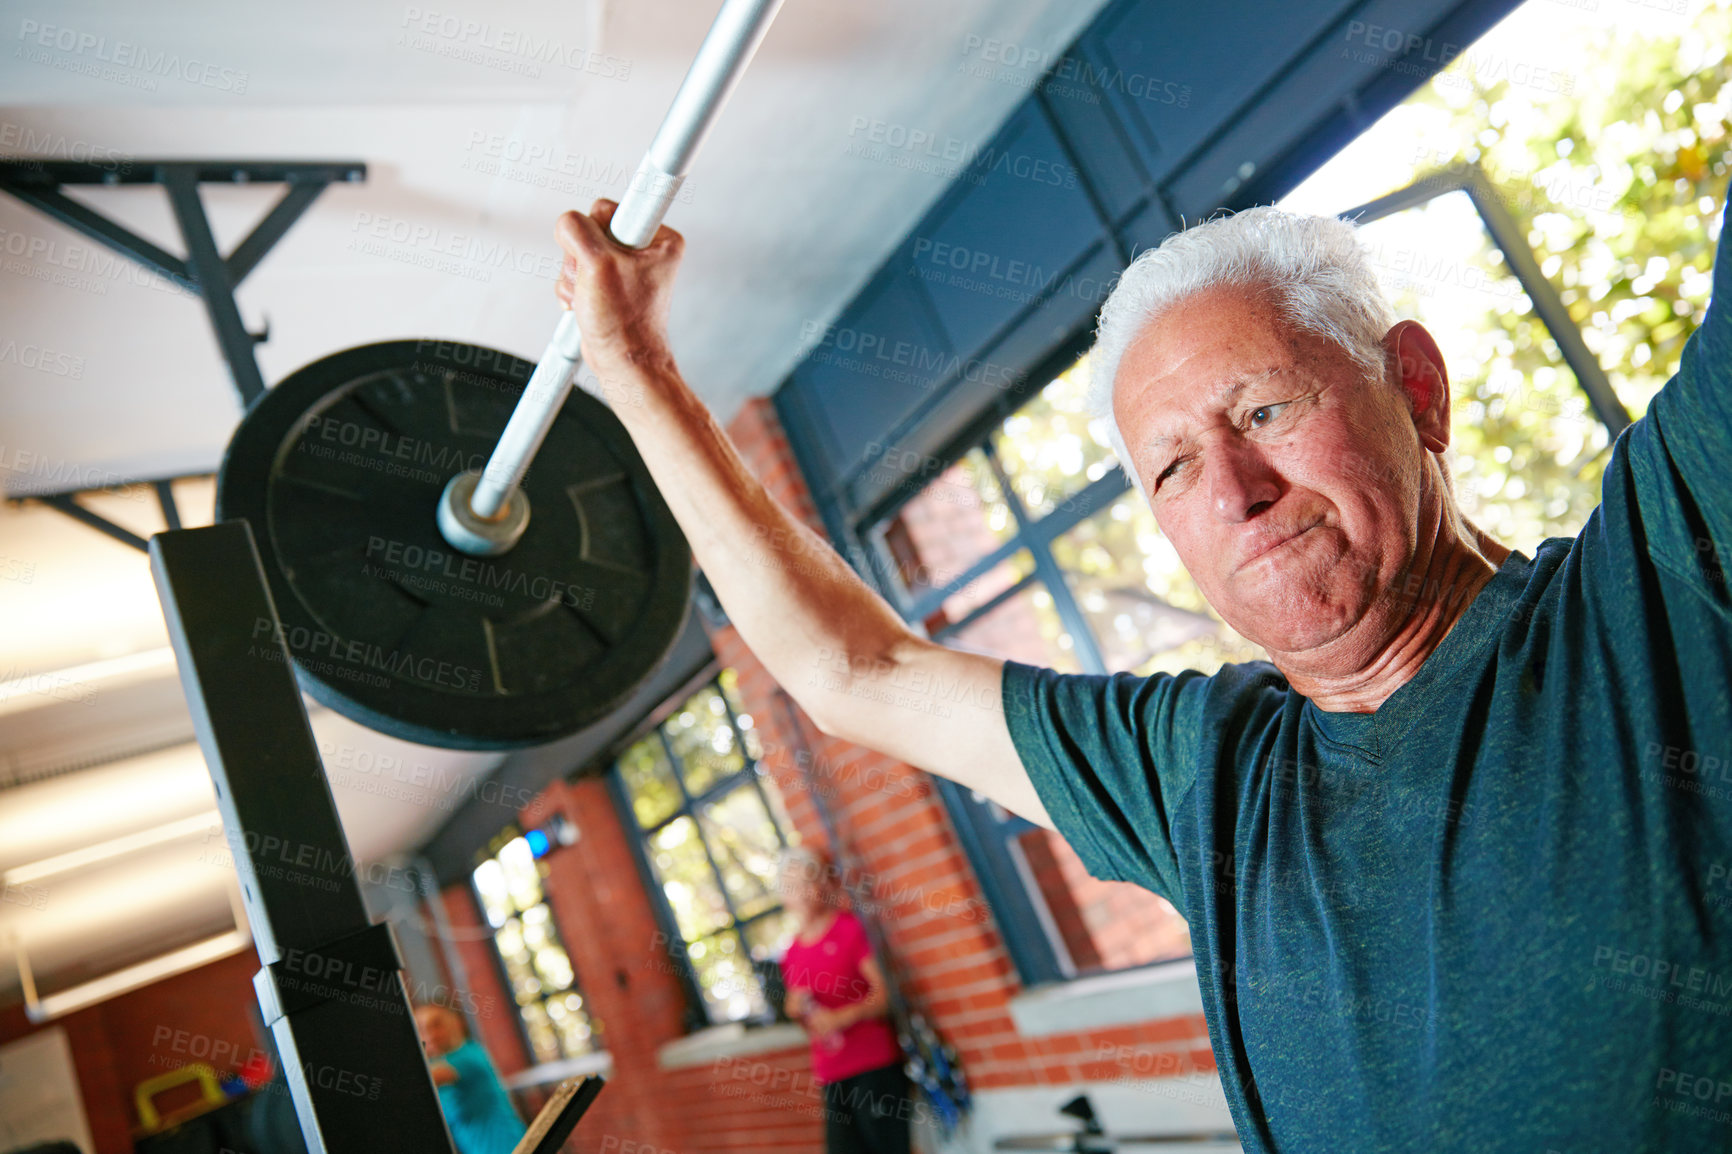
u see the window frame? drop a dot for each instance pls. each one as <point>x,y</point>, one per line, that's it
<point>986,837</point>
<point>697,1007</point>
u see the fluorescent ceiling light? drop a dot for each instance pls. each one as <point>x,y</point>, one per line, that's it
<point>132,977</point>
<point>115,847</point>
<point>89,675</point>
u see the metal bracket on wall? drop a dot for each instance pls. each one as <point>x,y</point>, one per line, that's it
<point>67,502</point>
<point>204,271</point>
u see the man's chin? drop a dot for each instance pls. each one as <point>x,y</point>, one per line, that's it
<point>1288,618</point>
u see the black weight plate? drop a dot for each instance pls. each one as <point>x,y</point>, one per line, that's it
<point>340,468</point>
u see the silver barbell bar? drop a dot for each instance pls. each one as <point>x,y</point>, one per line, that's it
<point>484,513</point>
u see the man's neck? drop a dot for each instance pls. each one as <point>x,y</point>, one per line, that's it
<point>1357,672</point>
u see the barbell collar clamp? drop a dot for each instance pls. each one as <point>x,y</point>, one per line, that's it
<point>476,535</point>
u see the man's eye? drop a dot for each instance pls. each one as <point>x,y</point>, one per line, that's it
<point>1263,414</point>
<point>1169,471</point>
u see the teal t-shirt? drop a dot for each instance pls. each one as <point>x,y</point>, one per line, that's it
<point>477,1108</point>
<point>1495,915</point>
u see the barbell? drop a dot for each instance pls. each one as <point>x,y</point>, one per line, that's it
<point>431,584</point>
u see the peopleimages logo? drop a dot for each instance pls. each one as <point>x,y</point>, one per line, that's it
<point>154,63</point>
<point>873,354</point>
<point>461,38</point>
<point>418,565</point>
<point>310,644</point>
<point>872,137</point>
<point>38,145</point>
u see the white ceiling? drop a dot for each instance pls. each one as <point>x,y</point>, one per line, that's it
<point>783,223</point>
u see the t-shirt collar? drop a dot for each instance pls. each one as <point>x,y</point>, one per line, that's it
<point>1476,628</point>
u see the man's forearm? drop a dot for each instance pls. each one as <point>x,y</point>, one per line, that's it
<point>843,653</point>
<point>806,615</point>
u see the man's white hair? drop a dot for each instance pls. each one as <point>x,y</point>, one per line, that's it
<point>1313,267</point>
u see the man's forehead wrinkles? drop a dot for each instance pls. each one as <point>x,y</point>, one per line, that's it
<point>1222,395</point>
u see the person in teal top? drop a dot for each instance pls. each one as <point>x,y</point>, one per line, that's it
<point>1457,860</point>
<point>477,1109</point>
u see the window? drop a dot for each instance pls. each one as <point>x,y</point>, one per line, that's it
<point>1035,547</point>
<point>1556,242</point>
<point>537,967</point>
<point>712,828</point>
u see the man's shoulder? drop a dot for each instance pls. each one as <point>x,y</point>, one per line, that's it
<point>1189,706</point>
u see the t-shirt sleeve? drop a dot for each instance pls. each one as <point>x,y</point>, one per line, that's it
<point>1111,758</point>
<point>1679,452</point>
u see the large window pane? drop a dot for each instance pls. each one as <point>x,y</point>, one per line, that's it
<point>724,973</point>
<point>982,589</point>
<point>552,964</point>
<point>687,880</point>
<point>729,680</point>
<point>543,1038</point>
<point>525,986</point>
<point>537,967</point>
<point>703,741</point>
<point>1024,627</point>
<point>1527,452</point>
<point>1050,448</point>
<point>1139,601</point>
<point>729,824</point>
<point>744,843</point>
<point>949,525</point>
<point>650,781</point>
<point>570,1022</point>
<point>769,935</point>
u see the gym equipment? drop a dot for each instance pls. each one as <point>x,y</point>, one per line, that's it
<point>145,1093</point>
<point>1093,1138</point>
<point>463,606</point>
<point>338,469</point>
<point>331,990</point>
<point>721,60</point>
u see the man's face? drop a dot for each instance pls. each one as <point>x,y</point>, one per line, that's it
<point>1287,481</point>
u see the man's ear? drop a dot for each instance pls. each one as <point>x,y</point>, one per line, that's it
<point>1424,381</point>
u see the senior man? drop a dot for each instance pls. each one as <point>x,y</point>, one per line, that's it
<point>1452,883</point>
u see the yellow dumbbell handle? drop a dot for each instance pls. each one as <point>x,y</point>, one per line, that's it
<point>145,1093</point>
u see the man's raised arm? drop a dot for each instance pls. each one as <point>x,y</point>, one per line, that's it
<point>834,644</point>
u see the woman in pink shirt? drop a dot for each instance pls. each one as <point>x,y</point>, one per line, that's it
<point>836,991</point>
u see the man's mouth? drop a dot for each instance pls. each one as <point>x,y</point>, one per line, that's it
<point>1274,545</point>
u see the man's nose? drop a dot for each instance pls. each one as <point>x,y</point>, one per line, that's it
<point>1241,483</point>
